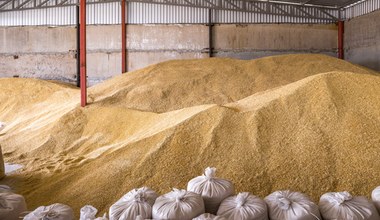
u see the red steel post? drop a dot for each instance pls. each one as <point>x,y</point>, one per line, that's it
<point>340,39</point>
<point>123,39</point>
<point>83,74</point>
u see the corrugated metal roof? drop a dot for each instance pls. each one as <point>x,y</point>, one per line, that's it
<point>53,12</point>
<point>324,3</point>
<point>29,4</point>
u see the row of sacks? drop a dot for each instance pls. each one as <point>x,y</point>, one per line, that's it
<point>13,207</point>
<point>210,197</point>
<point>182,204</point>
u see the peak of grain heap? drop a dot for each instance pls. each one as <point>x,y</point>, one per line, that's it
<point>299,122</point>
<point>178,84</point>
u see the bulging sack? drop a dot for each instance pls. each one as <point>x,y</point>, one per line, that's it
<point>134,203</point>
<point>342,205</point>
<point>89,212</point>
<point>244,206</point>
<point>208,216</point>
<point>287,205</point>
<point>213,189</point>
<point>376,198</point>
<point>11,206</point>
<point>178,204</point>
<point>56,211</point>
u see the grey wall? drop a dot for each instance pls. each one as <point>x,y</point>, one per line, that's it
<point>148,44</point>
<point>49,52</point>
<point>39,52</point>
<point>362,40</point>
<point>254,41</point>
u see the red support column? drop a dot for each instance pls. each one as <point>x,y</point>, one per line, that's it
<point>83,74</point>
<point>123,39</point>
<point>340,39</point>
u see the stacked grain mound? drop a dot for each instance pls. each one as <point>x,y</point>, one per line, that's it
<point>178,84</point>
<point>307,123</point>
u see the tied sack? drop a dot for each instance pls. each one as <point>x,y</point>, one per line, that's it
<point>134,203</point>
<point>56,211</point>
<point>213,189</point>
<point>208,216</point>
<point>178,205</point>
<point>11,206</point>
<point>342,205</point>
<point>244,206</point>
<point>376,198</point>
<point>288,205</point>
<point>89,212</point>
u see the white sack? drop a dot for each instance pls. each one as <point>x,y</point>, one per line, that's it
<point>134,203</point>
<point>89,212</point>
<point>11,206</point>
<point>56,211</point>
<point>287,205</point>
<point>178,204</point>
<point>376,198</point>
<point>208,216</point>
<point>213,189</point>
<point>244,206</point>
<point>341,205</point>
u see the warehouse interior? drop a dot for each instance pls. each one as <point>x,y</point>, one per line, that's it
<point>121,104</point>
<point>164,31</point>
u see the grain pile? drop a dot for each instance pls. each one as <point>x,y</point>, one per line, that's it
<point>308,123</point>
<point>175,84</point>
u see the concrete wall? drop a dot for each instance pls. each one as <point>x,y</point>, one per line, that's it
<point>254,41</point>
<point>49,52</point>
<point>362,40</point>
<point>148,44</point>
<point>39,52</point>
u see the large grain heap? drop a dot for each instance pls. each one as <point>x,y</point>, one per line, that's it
<point>308,123</point>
